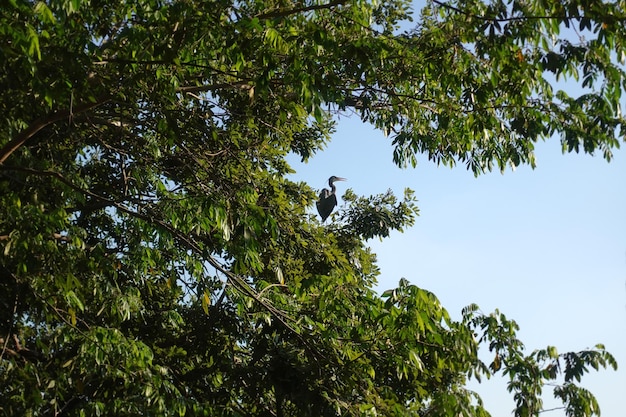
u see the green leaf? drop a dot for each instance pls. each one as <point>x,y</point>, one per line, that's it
<point>161,259</point>
<point>33,47</point>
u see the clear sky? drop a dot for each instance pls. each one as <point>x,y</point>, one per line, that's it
<point>547,247</point>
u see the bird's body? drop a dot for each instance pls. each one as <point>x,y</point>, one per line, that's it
<point>328,199</point>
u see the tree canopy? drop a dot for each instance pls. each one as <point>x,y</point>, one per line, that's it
<point>157,260</point>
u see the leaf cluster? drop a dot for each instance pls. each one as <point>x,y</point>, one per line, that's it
<point>157,260</point>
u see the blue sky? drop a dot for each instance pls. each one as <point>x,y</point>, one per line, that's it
<point>547,247</point>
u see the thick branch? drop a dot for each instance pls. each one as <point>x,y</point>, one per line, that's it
<point>44,121</point>
<point>286,12</point>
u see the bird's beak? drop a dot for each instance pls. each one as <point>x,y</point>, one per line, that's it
<point>340,179</point>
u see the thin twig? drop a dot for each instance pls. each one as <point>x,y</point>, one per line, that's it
<point>6,340</point>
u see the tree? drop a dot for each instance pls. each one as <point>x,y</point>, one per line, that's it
<point>156,259</point>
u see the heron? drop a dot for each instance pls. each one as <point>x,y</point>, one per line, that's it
<point>328,200</point>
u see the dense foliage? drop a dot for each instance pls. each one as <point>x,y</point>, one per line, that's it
<point>156,260</point>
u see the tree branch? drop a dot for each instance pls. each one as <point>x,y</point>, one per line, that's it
<point>242,85</point>
<point>286,12</point>
<point>516,18</point>
<point>44,121</point>
<point>551,409</point>
<point>505,19</point>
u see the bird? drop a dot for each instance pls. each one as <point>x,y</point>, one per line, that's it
<point>328,200</point>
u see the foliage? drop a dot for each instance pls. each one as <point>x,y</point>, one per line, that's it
<point>157,261</point>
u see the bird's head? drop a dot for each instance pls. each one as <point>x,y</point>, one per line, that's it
<point>335,178</point>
